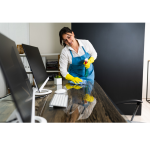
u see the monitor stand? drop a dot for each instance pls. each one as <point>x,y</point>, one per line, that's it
<point>40,119</point>
<point>15,118</point>
<point>42,91</point>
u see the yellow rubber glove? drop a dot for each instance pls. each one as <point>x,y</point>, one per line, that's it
<point>73,79</point>
<point>68,86</point>
<point>77,87</point>
<point>88,98</point>
<point>90,60</point>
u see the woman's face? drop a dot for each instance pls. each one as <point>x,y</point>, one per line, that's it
<point>69,39</point>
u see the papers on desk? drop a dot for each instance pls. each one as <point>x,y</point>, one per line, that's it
<point>51,65</point>
<point>27,66</point>
<point>28,69</point>
<point>30,77</point>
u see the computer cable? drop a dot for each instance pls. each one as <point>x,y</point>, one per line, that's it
<point>40,96</point>
<point>11,120</point>
<point>5,96</point>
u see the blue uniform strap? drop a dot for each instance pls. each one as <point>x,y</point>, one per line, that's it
<point>71,53</point>
<point>84,49</point>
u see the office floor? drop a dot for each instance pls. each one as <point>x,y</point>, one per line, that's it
<point>145,117</point>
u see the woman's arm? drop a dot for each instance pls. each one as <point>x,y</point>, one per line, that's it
<point>63,63</point>
<point>92,50</point>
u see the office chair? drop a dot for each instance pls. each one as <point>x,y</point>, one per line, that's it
<point>133,101</point>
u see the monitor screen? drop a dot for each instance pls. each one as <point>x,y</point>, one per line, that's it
<point>36,64</point>
<point>16,77</point>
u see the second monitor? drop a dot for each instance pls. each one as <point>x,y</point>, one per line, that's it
<point>37,67</point>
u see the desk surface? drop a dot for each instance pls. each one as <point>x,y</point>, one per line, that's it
<point>100,110</point>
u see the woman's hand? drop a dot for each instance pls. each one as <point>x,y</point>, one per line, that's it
<point>90,60</point>
<point>73,79</point>
<point>68,86</point>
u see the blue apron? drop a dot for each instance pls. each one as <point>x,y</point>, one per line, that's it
<point>77,68</point>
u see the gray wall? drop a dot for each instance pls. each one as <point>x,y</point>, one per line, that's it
<point>119,65</point>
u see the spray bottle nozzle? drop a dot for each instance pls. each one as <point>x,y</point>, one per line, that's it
<point>86,61</point>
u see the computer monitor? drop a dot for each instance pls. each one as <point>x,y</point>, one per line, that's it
<point>16,78</point>
<point>37,67</point>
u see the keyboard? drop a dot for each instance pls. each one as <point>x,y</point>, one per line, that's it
<point>59,100</point>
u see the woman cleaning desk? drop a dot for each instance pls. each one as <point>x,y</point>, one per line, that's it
<point>87,102</point>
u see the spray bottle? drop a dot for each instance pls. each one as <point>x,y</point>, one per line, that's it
<point>86,70</point>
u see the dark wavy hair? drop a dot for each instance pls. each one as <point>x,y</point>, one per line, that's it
<point>64,30</point>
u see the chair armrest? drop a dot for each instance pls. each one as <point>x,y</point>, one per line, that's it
<point>129,101</point>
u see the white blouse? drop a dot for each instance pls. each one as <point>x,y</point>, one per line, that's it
<point>66,57</point>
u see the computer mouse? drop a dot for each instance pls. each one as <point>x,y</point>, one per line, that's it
<point>60,91</point>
